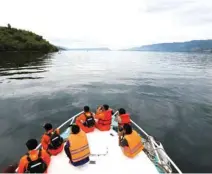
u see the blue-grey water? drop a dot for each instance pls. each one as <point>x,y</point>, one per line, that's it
<point>167,94</point>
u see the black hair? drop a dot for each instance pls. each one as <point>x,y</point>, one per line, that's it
<point>106,107</point>
<point>32,144</point>
<point>75,129</point>
<point>122,111</point>
<point>48,126</point>
<point>120,129</point>
<point>86,109</point>
<point>127,128</point>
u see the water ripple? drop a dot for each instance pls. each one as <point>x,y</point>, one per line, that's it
<point>168,94</point>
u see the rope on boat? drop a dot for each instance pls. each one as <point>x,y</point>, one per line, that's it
<point>162,168</point>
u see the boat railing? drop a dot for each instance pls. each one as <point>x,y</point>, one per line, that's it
<point>157,146</point>
<point>154,143</point>
<point>72,119</point>
<point>67,122</point>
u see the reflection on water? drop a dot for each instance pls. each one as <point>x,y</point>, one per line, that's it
<point>167,94</point>
<point>22,66</point>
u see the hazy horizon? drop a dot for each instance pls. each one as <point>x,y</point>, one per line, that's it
<point>135,46</point>
<point>116,24</point>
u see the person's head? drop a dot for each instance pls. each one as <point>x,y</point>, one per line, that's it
<point>75,129</point>
<point>127,129</point>
<point>48,126</point>
<point>122,111</point>
<point>32,144</point>
<point>86,109</point>
<point>105,107</point>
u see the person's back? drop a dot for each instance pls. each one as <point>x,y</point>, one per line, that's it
<point>123,117</point>
<point>86,120</point>
<point>51,140</point>
<point>77,147</point>
<point>104,116</point>
<point>131,142</point>
<point>35,161</point>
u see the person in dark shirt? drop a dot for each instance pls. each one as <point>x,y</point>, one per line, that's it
<point>74,130</point>
<point>79,163</point>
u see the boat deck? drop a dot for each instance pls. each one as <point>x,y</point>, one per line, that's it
<point>106,156</point>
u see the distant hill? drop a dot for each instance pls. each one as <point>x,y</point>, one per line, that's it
<point>90,49</point>
<point>190,46</point>
<point>12,39</point>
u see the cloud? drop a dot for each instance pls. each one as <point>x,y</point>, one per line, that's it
<point>112,23</point>
<point>75,43</point>
<point>184,12</point>
<point>166,5</point>
<point>198,14</point>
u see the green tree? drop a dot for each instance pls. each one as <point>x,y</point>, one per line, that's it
<point>9,26</point>
<point>12,39</point>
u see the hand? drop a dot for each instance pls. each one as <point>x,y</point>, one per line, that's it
<point>120,134</point>
<point>99,109</point>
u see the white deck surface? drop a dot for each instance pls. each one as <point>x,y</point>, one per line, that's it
<point>113,162</point>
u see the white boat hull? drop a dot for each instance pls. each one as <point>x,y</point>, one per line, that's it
<point>107,155</point>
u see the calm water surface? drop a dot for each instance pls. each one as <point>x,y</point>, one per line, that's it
<point>168,94</point>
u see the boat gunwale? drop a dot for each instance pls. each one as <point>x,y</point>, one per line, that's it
<point>71,120</point>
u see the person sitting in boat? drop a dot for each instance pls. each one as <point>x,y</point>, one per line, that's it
<point>130,141</point>
<point>35,161</point>
<point>51,141</point>
<point>104,118</point>
<point>123,117</point>
<point>77,147</point>
<point>86,120</point>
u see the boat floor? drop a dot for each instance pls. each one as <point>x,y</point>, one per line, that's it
<point>110,159</point>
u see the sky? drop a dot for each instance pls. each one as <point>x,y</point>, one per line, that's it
<point>115,24</point>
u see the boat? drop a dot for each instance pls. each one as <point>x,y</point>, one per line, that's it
<point>107,157</point>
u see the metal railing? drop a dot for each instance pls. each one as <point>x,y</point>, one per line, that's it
<point>155,144</point>
<point>170,160</point>
<point>71,120</point>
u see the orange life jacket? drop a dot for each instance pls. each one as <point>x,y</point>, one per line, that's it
<point>134,144</point>
<point>89,120</point>
<point>107,118</point>
<point>79,147</point>
<point>37,165</point>
<point>33,154</point>
<point>125,119</point>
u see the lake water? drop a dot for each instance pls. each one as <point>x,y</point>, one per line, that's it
<point>167,94</point>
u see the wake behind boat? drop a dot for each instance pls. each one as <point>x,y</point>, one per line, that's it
<point>106,155</point>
